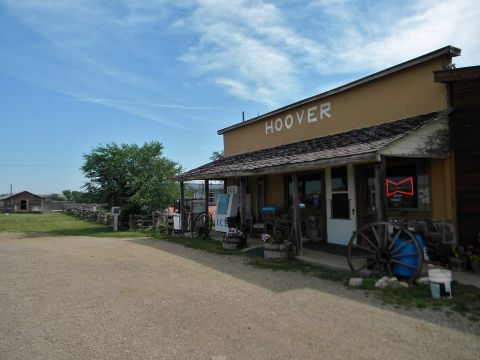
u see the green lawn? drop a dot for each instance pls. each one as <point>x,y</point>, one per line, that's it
<point>59,224</point>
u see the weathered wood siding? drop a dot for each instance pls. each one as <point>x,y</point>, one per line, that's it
<point>465,133</point>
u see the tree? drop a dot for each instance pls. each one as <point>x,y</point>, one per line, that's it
<point>139,179</point>
<point>77,196</point>
<point>217,155</point>
<point>67,194</point>
<point>54,197</point>
<point>81,197</point>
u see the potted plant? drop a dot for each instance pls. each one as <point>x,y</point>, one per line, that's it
<point>473,253</point>
<point>475,263</point>
<point>233,239</point>
<point>458,262</point>
<point>276,247</point>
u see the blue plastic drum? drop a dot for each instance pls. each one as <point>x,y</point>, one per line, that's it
<point>400,269</point>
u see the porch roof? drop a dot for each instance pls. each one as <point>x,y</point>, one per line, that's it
<point>354,146</point>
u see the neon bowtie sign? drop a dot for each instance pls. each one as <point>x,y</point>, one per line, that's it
<point>403,187</point>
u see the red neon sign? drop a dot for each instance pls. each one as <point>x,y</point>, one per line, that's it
<point>403,187</point>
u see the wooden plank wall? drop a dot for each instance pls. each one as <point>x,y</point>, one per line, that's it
<point>465,126</point>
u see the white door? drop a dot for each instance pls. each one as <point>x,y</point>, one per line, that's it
<point>341,212</point>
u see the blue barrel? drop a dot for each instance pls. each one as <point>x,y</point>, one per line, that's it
<point>402,270</point>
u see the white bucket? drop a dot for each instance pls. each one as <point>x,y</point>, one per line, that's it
<point>439,278</point>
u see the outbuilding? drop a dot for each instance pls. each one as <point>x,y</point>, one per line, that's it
<point>22,202</point>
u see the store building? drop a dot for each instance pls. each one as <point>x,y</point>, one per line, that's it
<point>376,148</point>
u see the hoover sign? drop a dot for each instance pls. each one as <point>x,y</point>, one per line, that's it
<point>307,116</point>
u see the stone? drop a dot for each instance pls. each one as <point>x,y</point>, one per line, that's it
<point>355,282</point>
<point>389,282</point>
<point>423,280</point>
<point>382,283</point>
<point>403,284</point>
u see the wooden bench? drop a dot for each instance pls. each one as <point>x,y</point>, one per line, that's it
<point>284,227</point>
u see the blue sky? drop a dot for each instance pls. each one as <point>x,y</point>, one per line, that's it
<point>75,74</point>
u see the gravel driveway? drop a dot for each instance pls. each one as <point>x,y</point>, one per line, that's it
<point>101,298</point>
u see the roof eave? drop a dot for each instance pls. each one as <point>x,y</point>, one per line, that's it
<point>371,156</point>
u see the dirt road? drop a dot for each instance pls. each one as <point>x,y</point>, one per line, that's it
<point>95,298</point>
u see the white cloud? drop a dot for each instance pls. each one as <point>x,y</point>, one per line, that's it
<point>393,33</point>
<point>257,51</point>
<point>249,49</point>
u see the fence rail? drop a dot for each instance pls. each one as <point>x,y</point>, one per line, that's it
<point>134,222</point>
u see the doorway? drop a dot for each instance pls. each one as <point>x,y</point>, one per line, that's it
<point>311,193</point>
<point>341,212</point>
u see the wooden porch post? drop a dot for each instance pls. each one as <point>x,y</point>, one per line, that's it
<point>182,207</point>
<point>296,215</point>
<point>380,195</point>
<point>206,196</point>
<point>243,204</point>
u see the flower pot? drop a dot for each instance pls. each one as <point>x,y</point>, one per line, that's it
<point>230,243</point>
<point>458,264</point>
<point>277,251</point>
<point>475,266</point>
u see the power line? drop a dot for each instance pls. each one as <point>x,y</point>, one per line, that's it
<point>39,165</point>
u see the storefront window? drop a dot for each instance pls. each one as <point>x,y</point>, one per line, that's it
<point>309,191</point>
<point>407,187</point>
<point>340,201</point>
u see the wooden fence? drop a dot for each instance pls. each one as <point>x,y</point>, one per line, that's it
<point>135,222</point>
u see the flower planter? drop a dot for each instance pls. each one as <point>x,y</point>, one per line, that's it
<point>229,243</point>
<point>458,264</point>
<point>277,251</point>
<point>475,266</point>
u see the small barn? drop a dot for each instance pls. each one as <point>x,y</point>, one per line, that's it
<point>23,201</point>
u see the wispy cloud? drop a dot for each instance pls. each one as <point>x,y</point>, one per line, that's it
<point>256,51</point>
<point>372,37</point>
<point>147,103</point>
<point>249,48</point>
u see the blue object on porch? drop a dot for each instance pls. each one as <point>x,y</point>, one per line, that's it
<point>402,270</point>
<point>269,209</point>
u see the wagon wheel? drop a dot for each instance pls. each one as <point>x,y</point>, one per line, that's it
<point>385,248</point>
<point>202,225</point>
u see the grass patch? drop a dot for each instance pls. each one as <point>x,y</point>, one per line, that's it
<point>466,299</point>
<point>298,266</point>
<point>210,245</point>
<point>59,224</point>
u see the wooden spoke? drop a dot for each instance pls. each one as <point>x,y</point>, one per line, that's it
<point>401,246</point>
<point>366,249</point>
<point>379,248</point>
<point>395,238</point>
<point>404,264</point>
<point>376,236</point>
<point>404,255</point>
<point>368,241</point>
<point>361,257</point>
<point>201,226</point>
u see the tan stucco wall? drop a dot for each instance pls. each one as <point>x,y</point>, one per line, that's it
<point>442,189</point>
<point>402,94</point>
<point>275,191</point>
<point>253,190</point>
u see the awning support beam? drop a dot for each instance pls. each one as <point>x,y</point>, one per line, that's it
<point>296,215</point>
<point>183,219</point>
<point>380,192</point>
<point>243,205</point>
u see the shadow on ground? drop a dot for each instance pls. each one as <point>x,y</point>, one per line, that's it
<point>284,280</point>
